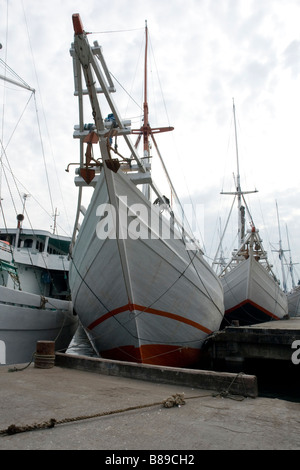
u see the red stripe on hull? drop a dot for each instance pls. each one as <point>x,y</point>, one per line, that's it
<point>140,308</point>
<point>254,305</point>
<point>155,354</point>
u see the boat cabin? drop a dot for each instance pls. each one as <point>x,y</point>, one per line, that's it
<point>35,241</point>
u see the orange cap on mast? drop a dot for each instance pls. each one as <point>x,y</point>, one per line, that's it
<point>77,24</point>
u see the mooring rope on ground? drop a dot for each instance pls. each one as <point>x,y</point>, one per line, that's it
<point>16,369</point>
<point>178,399</point>
<point>13,429</point>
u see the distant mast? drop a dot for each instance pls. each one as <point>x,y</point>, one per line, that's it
<point>291,264</point>
<point>239,193</point>
<point>241,209</point>
<point>281,252</point>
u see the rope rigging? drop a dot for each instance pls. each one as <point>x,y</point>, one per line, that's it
<point>20,82</point>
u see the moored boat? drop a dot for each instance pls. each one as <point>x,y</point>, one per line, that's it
<point>35,302</point>
<point>139,281</point>
<point>252,292</point>
<point>293,294</point>
<point>294,301</point>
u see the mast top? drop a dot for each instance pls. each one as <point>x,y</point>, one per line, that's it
<point>146,130</point>
<point>77,24</point>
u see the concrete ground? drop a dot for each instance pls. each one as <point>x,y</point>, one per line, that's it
<point>130,415</point>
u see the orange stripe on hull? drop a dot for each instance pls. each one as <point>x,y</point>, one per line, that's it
<point>140,308</point>
<point>155,354</point>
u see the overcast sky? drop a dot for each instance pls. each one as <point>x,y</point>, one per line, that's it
<point>204,53</point>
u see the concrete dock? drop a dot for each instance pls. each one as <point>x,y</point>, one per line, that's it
<point>272,340</point>
<point>97,404</point>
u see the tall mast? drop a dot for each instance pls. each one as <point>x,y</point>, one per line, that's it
<point>238,192</point>
<point>281,251</point>
<point>146,127</point>
<point>146,130</point>
<point>291,264</point>
<point>241,210</point>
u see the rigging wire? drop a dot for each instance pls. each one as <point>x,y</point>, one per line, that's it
<point>159,81</point>
<point>216,232</point>
<point>3,107</point>
<point>6,179</point>
<point>26,190</point>
<point>7,68</point>
<point>115,31</point>
<point>3,149</point>
<point>14,74</point>
<point>15,180</point>
<point>130,96</point>
<point>44,159</point>
<point>3,152</point>
<point>172,189</point>
<point>36,110</point>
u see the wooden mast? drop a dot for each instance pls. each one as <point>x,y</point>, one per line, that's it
<point>146,127</point>
<point>146,130</point>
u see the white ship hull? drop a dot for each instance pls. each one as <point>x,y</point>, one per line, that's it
<point>251,295</point>
<point>144,300</point>
<point>294,302</point>
<point>27,318</point>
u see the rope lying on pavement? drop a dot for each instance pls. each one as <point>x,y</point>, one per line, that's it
<point>177,399</point>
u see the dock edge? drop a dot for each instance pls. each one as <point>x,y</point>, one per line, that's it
<point>221,382</point>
